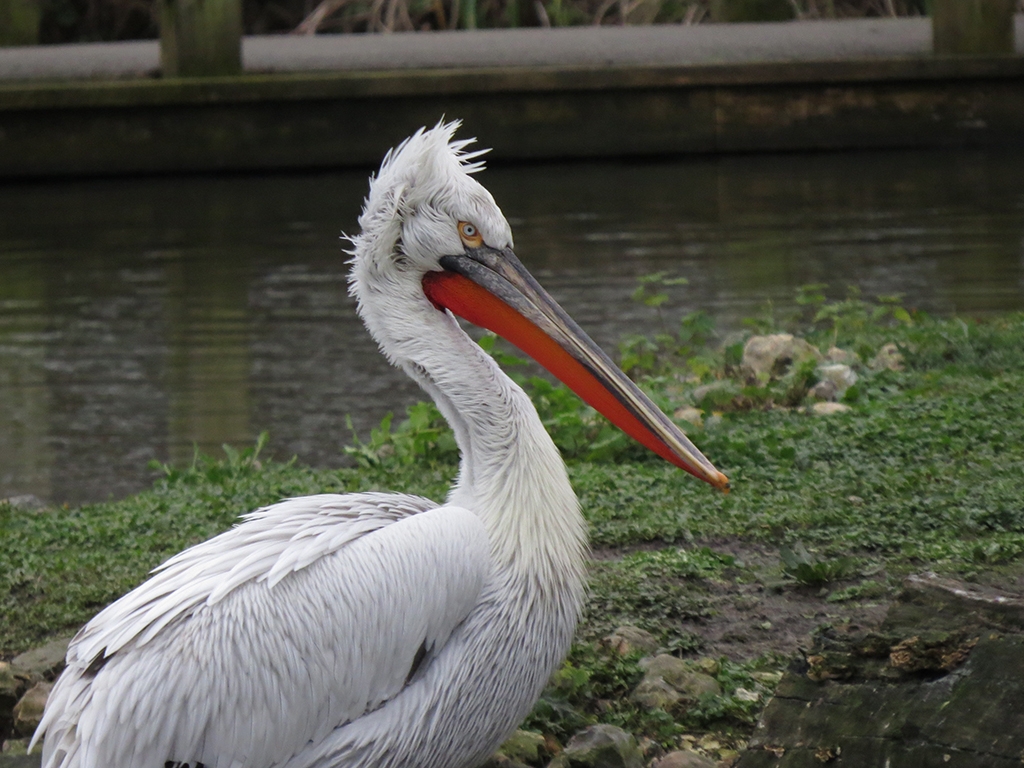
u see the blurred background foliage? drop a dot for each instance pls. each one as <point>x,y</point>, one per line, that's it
<point>93,20</point>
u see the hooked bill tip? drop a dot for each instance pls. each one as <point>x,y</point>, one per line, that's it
<point>722,483</point>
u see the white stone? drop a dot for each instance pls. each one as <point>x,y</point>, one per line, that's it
<point>688,413</point>
<point>827,409</point>
<point>625,640</point>
<point>29,711</point>
<point>768,356</point>
<point>843,376</point>
<point>837,355</point>
<point>888,357</point>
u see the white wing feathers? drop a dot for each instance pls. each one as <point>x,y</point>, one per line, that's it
<point>244,648</point>
<point>272,542</point>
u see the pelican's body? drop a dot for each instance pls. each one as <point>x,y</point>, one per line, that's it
<point>368,629</point>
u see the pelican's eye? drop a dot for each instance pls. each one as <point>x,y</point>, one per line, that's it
<point>470,235</point>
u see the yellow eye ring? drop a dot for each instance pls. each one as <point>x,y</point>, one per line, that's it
<point>470,235</point>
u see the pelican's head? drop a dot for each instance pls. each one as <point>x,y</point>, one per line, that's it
<point>433,240</point>
<point>423,204</point>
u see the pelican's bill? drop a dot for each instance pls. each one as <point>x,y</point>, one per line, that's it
<point>492,289</point>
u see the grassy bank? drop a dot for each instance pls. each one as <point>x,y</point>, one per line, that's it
<point>826,513</point>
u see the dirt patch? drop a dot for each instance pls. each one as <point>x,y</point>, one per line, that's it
<point>752,610</point>
<point>770,614</point>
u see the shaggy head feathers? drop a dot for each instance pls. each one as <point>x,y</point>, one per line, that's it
<point>410,217</point>
<point>409,221</point>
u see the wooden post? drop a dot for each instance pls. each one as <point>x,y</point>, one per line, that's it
<point>512,14</point>
<point>200,37</point>
<point>19,22</point>
<point>752,10</point>
<point>972,26</point>
<point>469,14</point>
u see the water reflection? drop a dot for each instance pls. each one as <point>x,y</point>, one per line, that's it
<point>141,317</point>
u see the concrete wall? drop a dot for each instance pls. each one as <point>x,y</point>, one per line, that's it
<point>350,119</point>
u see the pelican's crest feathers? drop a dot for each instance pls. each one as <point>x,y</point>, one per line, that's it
<point>428,175</point>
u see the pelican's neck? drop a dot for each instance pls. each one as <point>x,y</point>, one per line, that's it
<point>511,473</point>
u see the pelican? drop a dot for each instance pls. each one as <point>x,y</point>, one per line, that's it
<point>377,629</point>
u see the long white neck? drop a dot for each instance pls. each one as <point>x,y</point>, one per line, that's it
<point>511,473</point>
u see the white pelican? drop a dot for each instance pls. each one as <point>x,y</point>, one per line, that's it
<point>377,629</point>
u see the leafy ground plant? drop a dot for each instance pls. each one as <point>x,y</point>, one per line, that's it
<point>807,569</point>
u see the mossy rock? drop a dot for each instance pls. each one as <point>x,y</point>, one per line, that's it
<point>600,746</point>
<point>939,685</point>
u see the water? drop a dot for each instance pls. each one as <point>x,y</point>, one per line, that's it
<point>141,317</point>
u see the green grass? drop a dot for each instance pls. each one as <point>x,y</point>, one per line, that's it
<point>925,472</point>
<point>929,472</point>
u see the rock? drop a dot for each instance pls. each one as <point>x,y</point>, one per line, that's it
<point>715,395</point>
<point>835,379</point>
<point>626,640</point>
<point>709,742</point>
<point>680,675</point>
<point>600,746</point>
<point>9,681</point>
<point>937,684</point>
<point>683,758</point>
<point>29,709</point>
<point>727,758</point>
<point>933,603</point>
<point>708,665</point>
<point>697,684</point>
<point>769,679</point>
<point>824,390</point>
<point>655,693</point>
<point>523,746</point>
<point>837,355</point>
<point>649,748</point>
<point>12,686</point>
<point>43,663</point>
<point>25,501</point>
<point>769,357</point>
<point>842,376</point>
<point>664,666</point>
<point>888,357</point>
<point>690,414</point>
<point>827,409</point>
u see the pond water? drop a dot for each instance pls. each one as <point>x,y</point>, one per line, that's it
<point>142,317</point>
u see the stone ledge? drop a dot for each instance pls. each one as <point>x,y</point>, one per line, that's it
<point>939,684</point>
<point>315,86</point>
